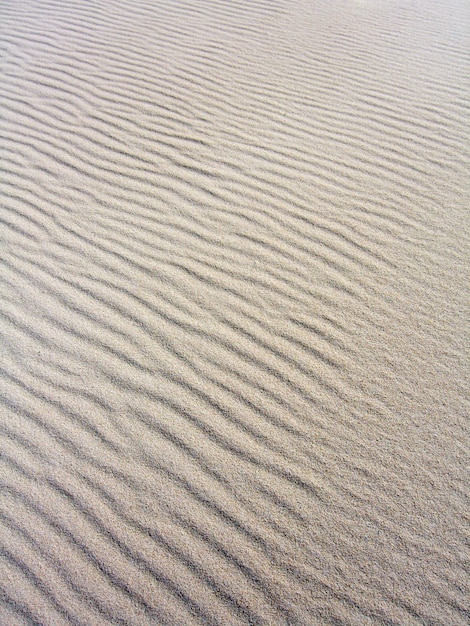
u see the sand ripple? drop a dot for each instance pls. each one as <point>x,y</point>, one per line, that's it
<point>232,313</point>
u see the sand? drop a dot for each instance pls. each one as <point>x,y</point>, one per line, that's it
<point>234,312</point>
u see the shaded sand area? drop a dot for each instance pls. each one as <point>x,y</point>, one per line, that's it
<point>233,307</point>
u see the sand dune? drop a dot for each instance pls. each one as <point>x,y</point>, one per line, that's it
<point>232,313</point>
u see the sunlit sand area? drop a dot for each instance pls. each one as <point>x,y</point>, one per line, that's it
<point>234,312</point>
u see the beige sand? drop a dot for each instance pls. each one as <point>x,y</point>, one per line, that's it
<point>232,312</point>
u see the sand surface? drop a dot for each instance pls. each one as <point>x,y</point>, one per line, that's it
<point>234,312</point>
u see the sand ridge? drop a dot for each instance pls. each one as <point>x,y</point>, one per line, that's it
<point>233,312</point>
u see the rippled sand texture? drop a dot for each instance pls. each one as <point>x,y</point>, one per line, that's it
<point>232,312</point>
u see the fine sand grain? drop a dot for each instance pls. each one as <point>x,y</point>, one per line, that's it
<point>233,307</point>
